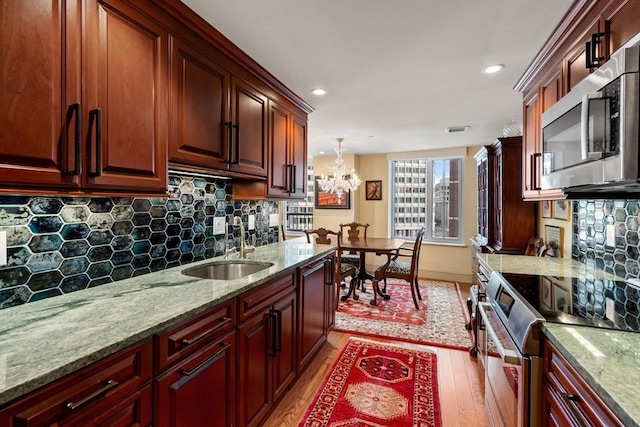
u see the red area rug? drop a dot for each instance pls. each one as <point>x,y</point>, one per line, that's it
<point>440,321</point>
<point>400,308</point>
<point>378,384</point>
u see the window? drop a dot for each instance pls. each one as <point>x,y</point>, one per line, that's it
<point>430,199</point>
<point>298,214</point>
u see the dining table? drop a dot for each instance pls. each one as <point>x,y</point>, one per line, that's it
<point>380,246</point>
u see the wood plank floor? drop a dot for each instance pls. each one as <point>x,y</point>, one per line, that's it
<point>460,382</point>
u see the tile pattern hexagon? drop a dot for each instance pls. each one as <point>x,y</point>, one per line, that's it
<point>64,244</point>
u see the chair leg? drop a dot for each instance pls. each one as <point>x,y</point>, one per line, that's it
<point>385,285</point>
<point>413,294</point>
<point>418,290</point>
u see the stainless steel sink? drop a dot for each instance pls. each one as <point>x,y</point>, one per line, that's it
<point>227,269</point>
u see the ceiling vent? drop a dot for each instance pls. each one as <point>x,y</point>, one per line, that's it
<point>456,129</point>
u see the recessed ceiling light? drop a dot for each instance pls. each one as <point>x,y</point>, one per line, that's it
<point>321,152</point>
<point>319,91</point>
<point>456,129</point>
<point>493,68</point>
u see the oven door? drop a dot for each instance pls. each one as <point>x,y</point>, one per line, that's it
<point>504,380</point>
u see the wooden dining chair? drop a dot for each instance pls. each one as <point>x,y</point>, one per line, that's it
<point>402,270</point>
<point>323,237</point>
<point>354,230</point>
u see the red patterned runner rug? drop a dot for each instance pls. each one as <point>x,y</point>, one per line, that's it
<point>440,321</point>
<point>378,384</point>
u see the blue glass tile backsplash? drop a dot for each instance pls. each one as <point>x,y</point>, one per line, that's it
<point>589,240</point>
<point>58,245</point>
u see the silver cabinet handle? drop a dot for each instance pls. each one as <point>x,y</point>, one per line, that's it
<point>223,322</point>
<point>223,347</point>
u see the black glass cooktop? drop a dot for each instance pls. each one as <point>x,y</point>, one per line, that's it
<point>600,303</point>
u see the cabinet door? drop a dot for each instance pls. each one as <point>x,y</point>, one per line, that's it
<point>199,391</point>
<point>311,291</point>
<point>284,367</point>
<point>249,117</point>
<point>299,156</point>
<point>279,151</point>
<point>126,60</point>
<point>255,351</point>
<point>621,23</point>
<point>576,59</point>
<point>40,84</point>
<point>530,150</point>
<point>199,109</point>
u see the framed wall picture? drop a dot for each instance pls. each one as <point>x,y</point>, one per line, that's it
<point>562,209</point>
<point>553,238</point>
<point>373,190</point>
<point>546,208</point>
<point>326,200</point>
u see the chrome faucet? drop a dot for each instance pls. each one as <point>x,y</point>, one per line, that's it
<point>244,248</point>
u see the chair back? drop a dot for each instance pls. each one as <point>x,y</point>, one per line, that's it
<point>322,236</point>
<point>415,258</point>
<point>354,229</point>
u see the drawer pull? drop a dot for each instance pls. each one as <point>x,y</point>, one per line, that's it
<point>108,386</point>
<point>223,347</point>
<point>223,322</point>
<point>571,400</point>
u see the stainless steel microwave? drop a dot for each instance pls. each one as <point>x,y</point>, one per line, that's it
<point>590,136</point>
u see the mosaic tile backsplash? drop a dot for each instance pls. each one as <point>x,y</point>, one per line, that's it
<point>589,246</point>
<point>590,220</point>
<point>58,245</point>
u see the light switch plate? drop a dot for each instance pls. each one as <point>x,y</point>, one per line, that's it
<point>3,248</point>
<point>274,220</point>
<point>218,225</point>
<point>611,235</point>
<point>252,222</point>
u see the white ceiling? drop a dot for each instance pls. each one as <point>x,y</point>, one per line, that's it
<point>398,72</point>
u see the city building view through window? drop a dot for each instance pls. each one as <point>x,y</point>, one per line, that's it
<point>426,192</point>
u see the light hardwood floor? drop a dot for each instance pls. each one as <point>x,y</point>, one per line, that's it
<point>460,383</point>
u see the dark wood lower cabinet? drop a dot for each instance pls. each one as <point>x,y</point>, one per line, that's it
<point>312,320</point>
<point>266,362</point>
<point>224,367</point>
<point>200,390</point>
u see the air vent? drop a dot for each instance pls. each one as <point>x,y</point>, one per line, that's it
<point>456,129</point>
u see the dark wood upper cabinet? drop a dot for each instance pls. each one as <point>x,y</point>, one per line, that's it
<point>589,33</point>
<point>40,83</point>
<point>108,135</point>
<point>249,123</point>
<point>125,107</point>
<point>200,130</point>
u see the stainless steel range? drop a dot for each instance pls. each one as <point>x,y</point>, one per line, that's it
<point>510,348</point>
<point>510,337</point>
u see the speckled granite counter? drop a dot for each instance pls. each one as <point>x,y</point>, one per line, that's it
<point>609,361</point>
<point>45,340</point>
<point>542,266</point>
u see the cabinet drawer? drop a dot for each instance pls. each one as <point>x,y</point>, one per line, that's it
<point>570,394</point>
<point>255,300</point>
<point>92,392</point>
<point>186,337</point>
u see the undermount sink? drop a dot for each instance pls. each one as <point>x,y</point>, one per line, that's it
<point>227,269</point>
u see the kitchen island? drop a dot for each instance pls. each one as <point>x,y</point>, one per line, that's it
<point>43,341</point>
<point>607,360</point>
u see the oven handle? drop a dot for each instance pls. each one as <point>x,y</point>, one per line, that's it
<point>508,355</point>
<point>584,123</point>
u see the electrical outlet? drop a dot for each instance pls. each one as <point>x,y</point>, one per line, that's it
<point>218,225</point>
<point>274,220</point>
<point>610,308</point>
<point>611,235</point>
<point>3,248</point>
<point>252,222</point>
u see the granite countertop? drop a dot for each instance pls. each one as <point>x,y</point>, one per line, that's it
<point>543,266</point>
<point>608,360</point>
<point>45,340</point>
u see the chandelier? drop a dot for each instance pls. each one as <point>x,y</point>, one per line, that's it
<point>339,182</point>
